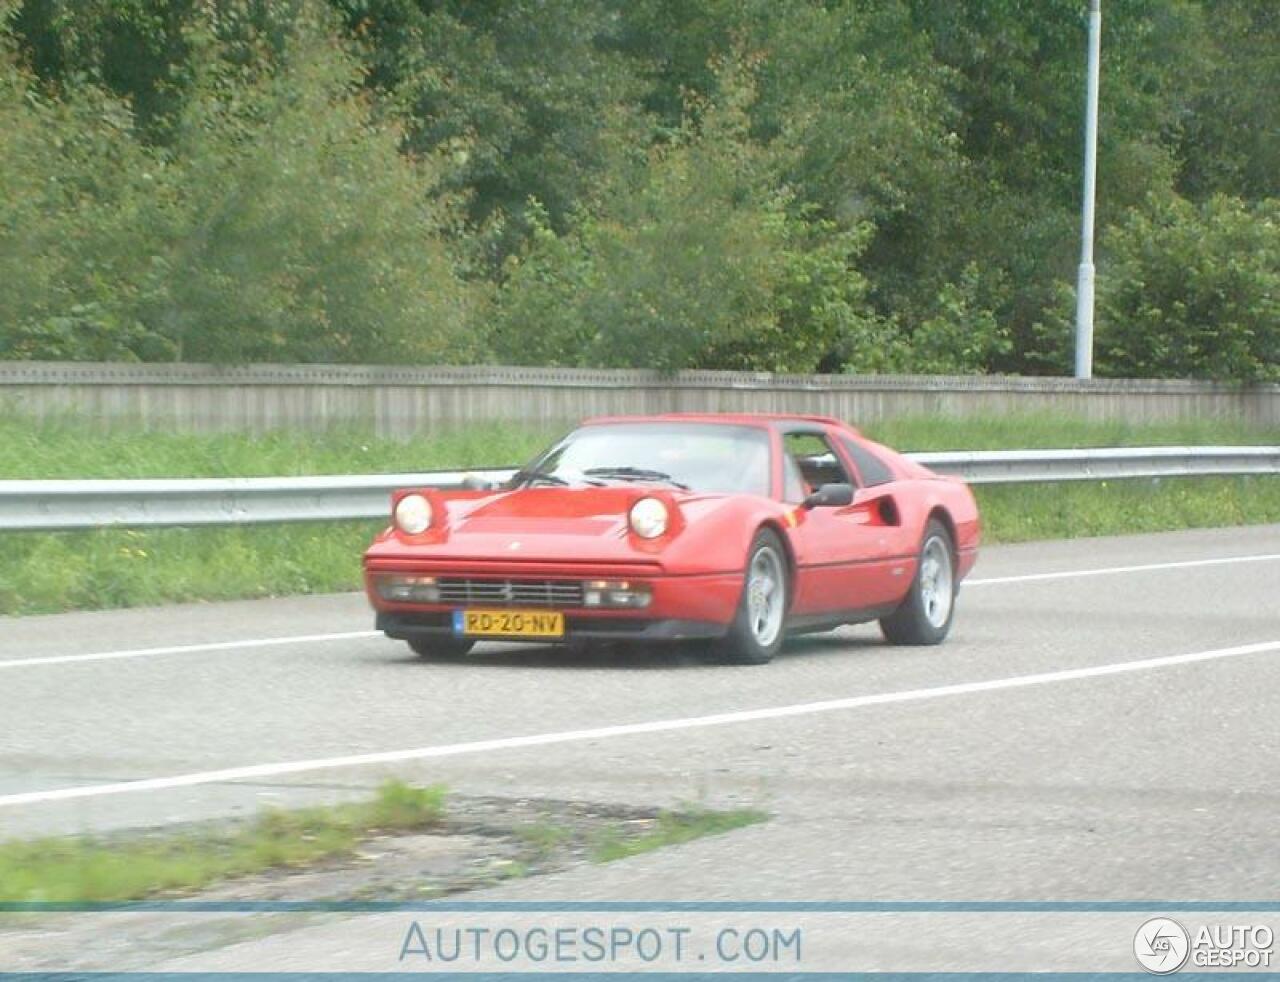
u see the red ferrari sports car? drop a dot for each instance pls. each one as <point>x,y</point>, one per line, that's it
<point>738,529</point>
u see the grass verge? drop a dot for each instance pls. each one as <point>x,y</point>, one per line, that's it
<point>421,849</point>
<point>81,869</point>
<point>1066,510</point>
<point>672,829</point>
<point>46,573</point>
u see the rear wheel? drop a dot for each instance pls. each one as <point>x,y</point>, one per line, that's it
<point>755,635</point>
<point>925,615</point>
<point>440,648</point>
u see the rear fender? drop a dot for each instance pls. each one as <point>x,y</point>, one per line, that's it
<point>956,504</point>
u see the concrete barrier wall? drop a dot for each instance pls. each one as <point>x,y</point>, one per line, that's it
<point>401,401</point>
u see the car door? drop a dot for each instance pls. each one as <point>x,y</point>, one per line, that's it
<point>848,558</point>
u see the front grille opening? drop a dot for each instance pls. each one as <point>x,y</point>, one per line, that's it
<point>532,593</point>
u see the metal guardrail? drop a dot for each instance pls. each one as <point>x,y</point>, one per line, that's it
<point>66,505</point>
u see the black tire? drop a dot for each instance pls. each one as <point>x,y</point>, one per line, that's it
<point>917,621</point>
<point>743,644</point>
<point>440,648</point>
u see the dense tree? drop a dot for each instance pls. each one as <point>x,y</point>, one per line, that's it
<point>73,182</point>
<point>512,94</point>
<point>847,185</point>
<point>693,257</point>
<point>1228,132</point>
<point>279,222</point>
<point>135,50</point>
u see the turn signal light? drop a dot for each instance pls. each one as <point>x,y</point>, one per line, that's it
<point>408,589</point>
<point>615,593</point>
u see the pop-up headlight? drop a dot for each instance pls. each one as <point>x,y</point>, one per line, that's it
<point>413,514</point>
<point>649,518</point>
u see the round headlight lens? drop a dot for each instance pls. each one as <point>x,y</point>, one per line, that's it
<point>649,518</point>
<point>413,514</point>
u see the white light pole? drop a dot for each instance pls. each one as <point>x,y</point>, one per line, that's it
<point>1084,279</point>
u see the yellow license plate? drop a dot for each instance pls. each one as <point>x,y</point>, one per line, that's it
<point>509,623</point>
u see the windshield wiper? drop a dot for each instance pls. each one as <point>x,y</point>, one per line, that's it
<point>532,474</point>
<point>635,474</point>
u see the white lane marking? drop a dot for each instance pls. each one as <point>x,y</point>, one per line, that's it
<point>626,729</point>
<point>355,635</point>
<point>1113,570</point>
<point>184,649</point>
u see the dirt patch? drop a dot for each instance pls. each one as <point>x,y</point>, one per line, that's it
<point>480,843</point>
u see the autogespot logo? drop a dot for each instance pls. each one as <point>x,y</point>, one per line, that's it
<point>1161,945</point>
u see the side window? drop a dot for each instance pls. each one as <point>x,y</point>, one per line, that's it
<point>873,470</point>
<point>810,463</point>
<point>793,483</point>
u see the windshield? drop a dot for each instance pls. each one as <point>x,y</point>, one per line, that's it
<point>692,456</point>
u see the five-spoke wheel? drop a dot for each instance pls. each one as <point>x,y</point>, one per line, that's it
<point>924,617</point>
<point>755,635</point>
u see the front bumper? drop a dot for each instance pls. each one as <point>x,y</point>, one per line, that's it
<point>711,598</point>
<point>681,607</point>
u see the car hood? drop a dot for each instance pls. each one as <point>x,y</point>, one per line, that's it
<point>544,524</point>
<point>548,511</point>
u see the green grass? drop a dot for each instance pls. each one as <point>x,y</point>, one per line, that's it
<point>65,448</point>
<point>1065,510</point>
<point>543,837</point>
<point>673,828</point>
<point>1023,431</point>
<point>45,573</point>
<point>80,869</point>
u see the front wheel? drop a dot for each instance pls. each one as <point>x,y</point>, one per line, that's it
<point>440,648</point>
<point>924,617</point>
<point>755,635</point>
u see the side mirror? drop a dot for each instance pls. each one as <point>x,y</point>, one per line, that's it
<point>830,496</point>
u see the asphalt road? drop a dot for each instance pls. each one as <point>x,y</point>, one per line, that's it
<point>1054,747</point>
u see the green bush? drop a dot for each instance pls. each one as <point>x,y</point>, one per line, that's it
<point>1192,291</point>
<point>692,257</point>
<point>293,227</point>
<point>961,335</point>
